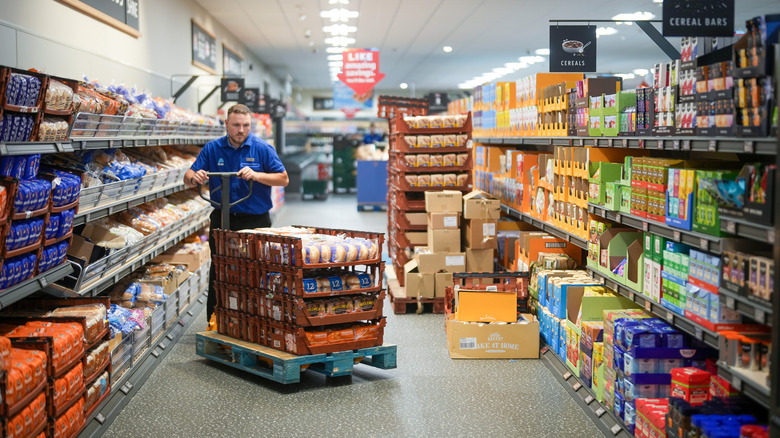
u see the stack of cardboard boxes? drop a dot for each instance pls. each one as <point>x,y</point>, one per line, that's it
<point>480,222</point>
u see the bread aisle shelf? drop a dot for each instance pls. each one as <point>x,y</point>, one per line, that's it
<point>22,290</point>
<point>107,209</point>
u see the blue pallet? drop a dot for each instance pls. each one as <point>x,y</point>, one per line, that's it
<point>285,367</point>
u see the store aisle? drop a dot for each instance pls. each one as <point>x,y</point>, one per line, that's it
<point>429,394</point>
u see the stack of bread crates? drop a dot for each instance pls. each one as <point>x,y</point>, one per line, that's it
<point>300,290</point>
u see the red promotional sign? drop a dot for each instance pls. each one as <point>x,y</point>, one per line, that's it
<point>350,112</point>
<point>360,70</point>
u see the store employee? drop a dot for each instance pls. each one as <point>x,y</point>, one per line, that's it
<point>372,137</point>
<point>256,163</point>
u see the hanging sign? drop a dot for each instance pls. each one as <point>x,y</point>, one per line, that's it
<point>323,103</point>
<point>256,102</point>
<point>204,49</point>
<point>437,102</point>
<point>232,89</point>
<point>698,18</point>
<point>360,70</point>
<point>232,62</point>
<point>120,14</point>
<point>572,48</point>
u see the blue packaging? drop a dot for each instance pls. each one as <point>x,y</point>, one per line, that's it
<point>640,336</point>
<point>22,199</point>
<point>7,165</point>
<point>631,365</point>
<point>53,227</point>
<point>336,284</point>
<point>619,358</point>
<point>365,280</point>
<point>16,271</point>
<point>620,329</point>
<point>27,267</point>
<point>620,403</point>
<point>309,285</point>
<point>36,230</point>
<point>33,165</point>
<point>24,234</point>
<point>45,192</point>
<point>629,413</point>
<point>12,89</point>
<point>665,366</point>
<point>33,91</point>
<point>62,250</point>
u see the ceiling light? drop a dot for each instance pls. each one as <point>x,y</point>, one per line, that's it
<point>503,71</point>
<point>335,49</point>
<point>658,1</point>
<point>335,57</point>
<point>302,17</point>
<point>339,14</point>
<point>404,85</point>
<point>339,29</point>
<point>335,63</point>
<point>636,16</point>
<point>601,31</point>
<point>641,71</point>
<point>626,75</point>
<point>545,52</point>
<point>531,59</point>
<point>465,86</point>
<point>339,41</point>
<point>335,2</point>
<point>515,66</point>
<point>447,49</point>
<point>307,33</point>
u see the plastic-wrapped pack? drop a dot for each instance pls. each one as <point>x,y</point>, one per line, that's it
<point>22,90</point>
<point>58,96</point>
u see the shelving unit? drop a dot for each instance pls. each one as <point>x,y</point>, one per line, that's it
<point>118,205</point>
<point>26,288</point>
<point>544,226</point>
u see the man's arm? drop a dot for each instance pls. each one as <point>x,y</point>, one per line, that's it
<point>270,179</point>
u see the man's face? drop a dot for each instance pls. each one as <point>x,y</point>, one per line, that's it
<point>238,127</point>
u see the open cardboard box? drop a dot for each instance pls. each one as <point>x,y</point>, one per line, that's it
<point>85,251</point>
<point>193,261</point>
<point>475,340</point>
<point>418,284</point>
<point>481,205</point>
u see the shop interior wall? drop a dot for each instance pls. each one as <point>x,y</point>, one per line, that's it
<point>59,40</point>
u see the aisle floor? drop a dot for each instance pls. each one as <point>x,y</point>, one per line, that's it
<point>429,394</point>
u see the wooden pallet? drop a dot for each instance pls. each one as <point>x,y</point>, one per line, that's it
<point>285,367</point>
<point>402,304</point>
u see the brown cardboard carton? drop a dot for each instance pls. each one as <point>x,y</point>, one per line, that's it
<point>442,280</point>
<point>193,261</point>
<point>472,340</point>
<point>455,262</point>
<point>416,219</point>
<point>479,260</point>
<point>444,200</point>
<point>480,234</point>
<point>481,205</point>
<point>444,240</point>
<point>417,284</point>
<point>486,305</point>
<point>430,263</point>
<point>417,237</point>
<point>444,221</point>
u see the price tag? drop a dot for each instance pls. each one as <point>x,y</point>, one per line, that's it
<point>770,235</point>
<point>100,418</point>
<point>616,429</point>
<point>698,333</point>
<point>625,142</point>
<point>686,145</point>
<point>602,280</point>
<point>660,144</point>
<point>609,142</point>
<point>731,227</point>
<point>600,412</point>
<point>566,375</point>
<point>576,386</point>
<point>736,382</point>
<point>645,226</point>
<point>676,236</point>
<point>648,306</point>
<point>618,218</point>
<point>156,353</point>
<point>589,399</point>
<point>641,144</point>
<point>631,296</point>
<point>669,315</point>
<point>712,146</point>
<point>169,336</point>
<point>730,303</point>
<point>125,390</point>
<point>760,316</point>
<point>748,147</point>
<point>676,145</point>
<point>704,244</point>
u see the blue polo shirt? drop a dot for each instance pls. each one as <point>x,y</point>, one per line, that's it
<point>220,156</point>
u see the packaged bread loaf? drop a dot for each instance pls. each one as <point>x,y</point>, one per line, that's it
<point>449,121</point>
<point>436,160</point>
<point>411,140</point>
<point>460,159</point>
<point>448,141</point>
<point>423,180</point>
<point>462,179</point>
<point>448,160</point>
<point>460,140</point>
<point>437,141</point>
<point>460,121</point>
<point>437,180</point>
<point>423,141</point>
<point>411,160</point>
<point>423,160</point>
<point>423,122</point>
<point>436,121</point>
<point>450,179</point>
<point>411,180</point>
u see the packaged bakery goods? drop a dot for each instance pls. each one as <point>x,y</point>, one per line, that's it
<point>423,180</point>
<point>460,159</point>
<point>460,140</point>
<point>448,160</point>
<point>436,121</point>
<point>449,121</point>
<point>411,180</point>
<point>411,140</point>
<point>311,254</point>
<point>437,180</point>
<point>364,303</point>
<point>448,141</point>
<point>436,160</point>
<point>437,141</point>
<point>460,121</point>
<point>58,96</point>
<point>411,160</point>
<point>449,179</point>
<point>310,285</point>
<point>423,141</point>
<point>423,160</point>
<point>462,179</point>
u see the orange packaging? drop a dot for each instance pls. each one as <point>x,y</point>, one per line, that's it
<point>15,427</point>
<point>27,416</point>
<point>34,359</point>
<point>61,427</point>
<point>343,335</point>
<point>75,380</point>
<point>60,391</point>
<point>27,377</point>
<point>38,408</point>
<point>317,338</point>
<point>14,386</point>
<point>5,350</point>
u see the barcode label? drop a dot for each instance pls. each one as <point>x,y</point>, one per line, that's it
<point>233,303</point>
<point>468,343</point>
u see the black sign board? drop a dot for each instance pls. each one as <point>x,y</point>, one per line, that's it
<point>711,18</point>
<point>572,48</point>
<point>278,109</point>
<point>204,49</point>
<point>117,13</point>
<point>232,62</point>
<point>232,89</point>
<point>324,103</point>
<point>256,101</point>
<point>437,102</point>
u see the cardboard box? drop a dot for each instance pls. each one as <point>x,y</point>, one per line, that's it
<point>469,340</point>
<point>479,260</point>
<point>444,240</point>
<point>486,306</point>
<point>480,234</point>
<point>442,201</point>
<point>455,262</point>
<point>432,263</point>
<point>416,237</point>
<point>417,284</point>
<point>441,281</point>
<point>193,261</point>
<point>481,205</point>
<point>416,219</point>
<point>444,221</point>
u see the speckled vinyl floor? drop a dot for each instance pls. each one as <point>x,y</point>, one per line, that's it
<point>428,395</point>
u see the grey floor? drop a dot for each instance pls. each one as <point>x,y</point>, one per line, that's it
<point>429,394</point>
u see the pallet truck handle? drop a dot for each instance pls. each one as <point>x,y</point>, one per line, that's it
<point>225,205</point>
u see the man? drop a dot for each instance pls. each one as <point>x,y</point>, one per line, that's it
<point>256,163</point>
<point>372,137</point>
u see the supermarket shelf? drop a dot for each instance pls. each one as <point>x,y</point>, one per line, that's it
<point>128,385</point>
<point>82,144</point>
<point>116,274</point>
<point>760,146</point>
<point>602,416</point>
<point>35,148</point>
<point>748,382</point>
<point>35,284</point>
<point>552,229</point>
<point>705,242</point>
<point>686,325</point>
<point>747,230</point>
<point>760,312</point>
<point>103,210</point>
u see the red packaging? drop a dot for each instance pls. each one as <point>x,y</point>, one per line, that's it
<point>720,387</point>
<point>691,385</point>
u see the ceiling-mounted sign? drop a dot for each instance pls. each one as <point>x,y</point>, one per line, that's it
<point>360,70</point>
<point>344,97</point>
<point>323,103</point>
<point>572,48</point>
<point>698,18</point>
<point>232,62</point>
<point>232,89</point>
<point>256,101</point>
<point>120,14</point>
<point>437,102</point>
<point>204,49</point>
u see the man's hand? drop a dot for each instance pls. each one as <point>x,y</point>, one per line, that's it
<point>200,177</point>
<point>248,174</point>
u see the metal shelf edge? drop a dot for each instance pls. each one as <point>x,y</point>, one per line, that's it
<point>24,289</point>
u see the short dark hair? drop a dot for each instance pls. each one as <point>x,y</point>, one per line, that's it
<point>238,108</point>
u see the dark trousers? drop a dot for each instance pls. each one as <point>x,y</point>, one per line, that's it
<point>237,222</point>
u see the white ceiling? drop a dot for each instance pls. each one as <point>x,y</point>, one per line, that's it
<point>409,34</point>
